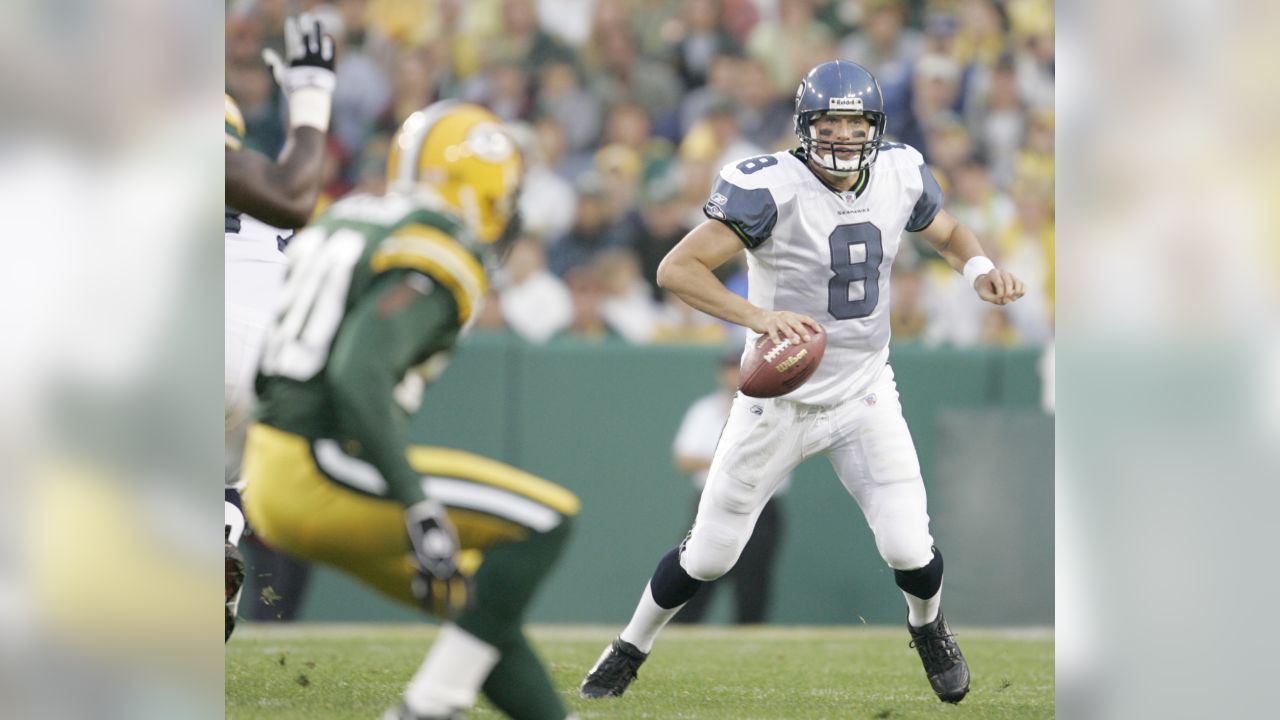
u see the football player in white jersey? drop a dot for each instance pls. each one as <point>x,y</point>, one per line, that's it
<point>264,200</point>
<point>821,225</point>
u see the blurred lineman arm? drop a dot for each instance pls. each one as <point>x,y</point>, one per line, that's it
<point>281,194</point>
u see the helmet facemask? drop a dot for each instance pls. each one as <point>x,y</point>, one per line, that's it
<point>825,153</point>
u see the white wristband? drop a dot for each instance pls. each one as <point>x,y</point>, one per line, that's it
<point>977,266</point>
<point>309,107</point>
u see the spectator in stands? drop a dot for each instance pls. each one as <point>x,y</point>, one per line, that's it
<point>654,229</point>
<point>935,90</point>
<point>627,305</point>
<point>508,93</point>
<point>723,77</point>
<point>534,302</point>
<point>764,112</point>
<point>587,293</point>
<point>785,47</point>
<point>699,38</point>
<point>523,41</point>
<point>590,233</point>
<point>1000,119</point>
<point>622,75</point>
<point>561,95</point>
<point>548,202</point>
<point>413,85</point>
<point>949,143</point>
<point>978,203</point>
<point>884,45</point>
<point>1036,159</point>
<point>907,317</point>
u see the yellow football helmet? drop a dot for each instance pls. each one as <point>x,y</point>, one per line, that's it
<point>463,153</point>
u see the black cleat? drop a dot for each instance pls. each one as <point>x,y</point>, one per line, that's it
<point>402,712</point>
<point>234,581</point>
<point>614,671</point>
<point>948,672</point>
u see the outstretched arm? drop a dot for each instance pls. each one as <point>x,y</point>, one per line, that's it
<point>281,194</point>
<point>959,246</point>
<point>284,193</point>
<point>686,271</point>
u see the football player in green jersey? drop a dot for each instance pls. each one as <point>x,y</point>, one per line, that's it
<point>379,289</point>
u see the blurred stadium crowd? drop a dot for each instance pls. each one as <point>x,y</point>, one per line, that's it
<point>627,109</point>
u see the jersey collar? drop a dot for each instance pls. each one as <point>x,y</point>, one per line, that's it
<point>859,186</point>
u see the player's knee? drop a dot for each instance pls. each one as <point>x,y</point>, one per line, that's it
<point>710,559</point>
<point>905,552</point>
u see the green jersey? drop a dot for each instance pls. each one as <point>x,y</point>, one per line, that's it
<point>377,292</point>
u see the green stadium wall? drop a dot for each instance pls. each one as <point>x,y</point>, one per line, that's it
<point>600,419</point>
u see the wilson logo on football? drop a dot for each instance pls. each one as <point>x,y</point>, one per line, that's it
<point>787,364</point>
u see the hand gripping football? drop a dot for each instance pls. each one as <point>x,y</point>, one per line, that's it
<point>771,369</point>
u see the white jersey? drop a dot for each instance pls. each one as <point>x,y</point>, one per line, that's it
<point>827,254</point>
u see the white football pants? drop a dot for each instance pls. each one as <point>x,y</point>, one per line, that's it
<point>867,441</point>
<point>255,271</point>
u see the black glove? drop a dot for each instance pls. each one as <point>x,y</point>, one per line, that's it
<point>439,585</point>
<point>309,57</point>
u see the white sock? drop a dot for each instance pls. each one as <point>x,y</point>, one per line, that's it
<point>451,676</point>
<point>647,622</point>
<point>922,612</point>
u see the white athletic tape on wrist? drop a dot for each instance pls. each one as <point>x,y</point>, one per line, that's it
<point>977,266</point>
<point>310,107</point>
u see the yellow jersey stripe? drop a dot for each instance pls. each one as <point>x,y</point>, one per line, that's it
<point>233,122</point>
<point>433,252</point>
<point>466,466</point>
<point>231,113</point>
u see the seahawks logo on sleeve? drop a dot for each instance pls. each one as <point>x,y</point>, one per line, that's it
<point>750,213</point>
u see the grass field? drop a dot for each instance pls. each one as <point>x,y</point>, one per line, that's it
<point>325,672</point>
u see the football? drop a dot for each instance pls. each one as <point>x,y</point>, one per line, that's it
<point>771,369</point>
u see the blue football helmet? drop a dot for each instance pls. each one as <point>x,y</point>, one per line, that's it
<point>839,86</point>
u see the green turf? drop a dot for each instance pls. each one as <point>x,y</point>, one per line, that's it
<point>319,672</point>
